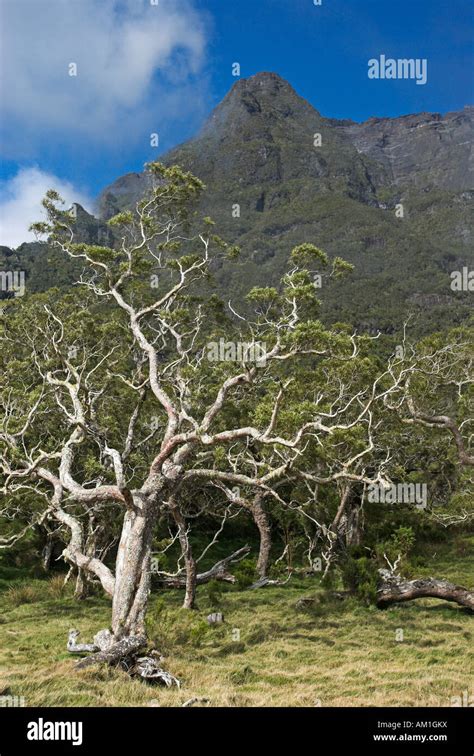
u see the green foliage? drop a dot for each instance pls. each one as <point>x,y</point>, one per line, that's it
<point>341,267</point>
<point>359,575</point>
<point>261,295</point>
<point>307,254</point>
<point>403,541</point>
<point>397,547</point>
<point>245,573</point>
<point>214,593</point>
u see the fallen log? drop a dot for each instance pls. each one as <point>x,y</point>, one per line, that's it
<point>394,589</point>
<point>263,582</point>
<point>218,571</point>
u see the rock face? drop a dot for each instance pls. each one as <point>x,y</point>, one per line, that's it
<point>296,176</point>
<point>262,134</point>
<point>427,150</point>
<point>278,173</point>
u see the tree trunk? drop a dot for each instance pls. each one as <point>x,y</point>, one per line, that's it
<point>81,589</point>
<point>354,522</point>
<point>394,589</point>
<point>191,576</point>
<point>189,561</point>
<point>262,522</point>
<point>132,576</point>
<point>47,552</point>
<point>90,550</point>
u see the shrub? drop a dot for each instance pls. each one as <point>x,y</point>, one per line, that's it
<point>360,576</point>
<point>245,573</point>
<point>214,593</point>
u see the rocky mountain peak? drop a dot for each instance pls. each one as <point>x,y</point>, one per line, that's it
<point>278,174</point>
<point>265,97</point>
<point>264,84</point>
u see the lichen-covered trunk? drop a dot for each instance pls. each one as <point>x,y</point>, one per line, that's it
<point>191,577</point>
<point>82,580</point>
<point>262,522</point>
<point>132,574</point>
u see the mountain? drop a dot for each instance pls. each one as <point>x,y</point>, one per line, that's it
<point>258,140</point>
<point>46,266</point>
<point>297,176</point>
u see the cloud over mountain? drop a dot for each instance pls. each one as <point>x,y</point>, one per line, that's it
<point>133,58</point>
<point>20,202</point>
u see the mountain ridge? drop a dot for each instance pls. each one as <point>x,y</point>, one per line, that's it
<point>297,176</point>
<point>281,98</point>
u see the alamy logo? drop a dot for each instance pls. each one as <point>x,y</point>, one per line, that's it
<point>12,701</point>
<point>12,282</point>
<point>400,68</point>
<point>462,280</point>
<point>399,493</point>
<point>464,700</point>
<point>236,351</point>
<point>42,730</point>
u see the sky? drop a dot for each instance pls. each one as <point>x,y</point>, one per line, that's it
<point>85,83</point>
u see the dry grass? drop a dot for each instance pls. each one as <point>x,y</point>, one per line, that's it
<point>337,653</point>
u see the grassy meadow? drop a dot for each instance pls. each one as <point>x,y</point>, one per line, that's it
<point>272,649</point>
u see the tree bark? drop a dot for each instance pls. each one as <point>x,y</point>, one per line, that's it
<point>81,589</point>
<point>47,552</point>
<point>395,589</point>
<point>354,522</point>
<point>262,522</point>
<point>90,549</point>
<point>132,576</point>
<point>125,648</point>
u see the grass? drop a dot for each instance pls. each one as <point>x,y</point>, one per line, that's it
<point>268,652</point>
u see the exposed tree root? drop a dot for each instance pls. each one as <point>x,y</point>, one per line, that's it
<point>123,653</point>
<point>149,669</point>
<point>116,653</point>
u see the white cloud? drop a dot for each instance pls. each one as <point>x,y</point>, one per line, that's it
<point>132,59</point>
<point>20,202</point>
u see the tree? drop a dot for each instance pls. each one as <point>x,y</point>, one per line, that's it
<point>122,397</point>
<point>75,379</point>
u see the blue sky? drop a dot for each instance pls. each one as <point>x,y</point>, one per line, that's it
<point>144,68</point>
